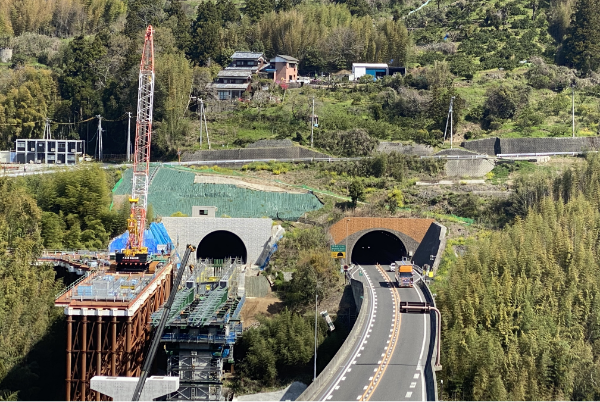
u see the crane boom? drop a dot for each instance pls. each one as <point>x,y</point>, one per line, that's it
<point>166,310</point>
<point>135,255</point>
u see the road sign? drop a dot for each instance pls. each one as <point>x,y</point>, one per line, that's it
<point>336,254</point>
<point>338,248</point>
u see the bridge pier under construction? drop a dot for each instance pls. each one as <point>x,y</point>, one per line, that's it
<point>108,325</point>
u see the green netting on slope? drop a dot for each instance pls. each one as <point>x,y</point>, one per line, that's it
<point>174,190</point>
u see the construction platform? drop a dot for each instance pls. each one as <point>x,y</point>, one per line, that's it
<point>201,331</point>
<point>108,323</point>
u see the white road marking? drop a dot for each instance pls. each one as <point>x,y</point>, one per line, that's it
<point>408,394</point>
<point>379,362</point>
<point>348,370</point>
<point>354,362</point>
<point>330,396</point>
<point>416,376</point>
<point>343,378</point>
<point>376,368</point>
<point>423,395</point>
<point>336,388</point>
<point>413,384</point>
<point>366,386</point>
<point>358,397</point>
<point>370,378</point>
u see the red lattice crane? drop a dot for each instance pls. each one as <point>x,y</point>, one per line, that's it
<point>135,255</point>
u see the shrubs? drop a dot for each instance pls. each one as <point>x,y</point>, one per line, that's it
<point>548,76</point>
<point>354,142</point>
<point>503,102</point>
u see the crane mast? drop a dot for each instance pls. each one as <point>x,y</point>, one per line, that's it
<point>135,255</point>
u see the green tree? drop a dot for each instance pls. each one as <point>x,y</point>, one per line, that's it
<point>255,8</point>
<point>180,24</point>
<point>52,230</point>
<point>356,191</point>
<point>206,33</point>
<point>229,12</point>
<point>79,79</point>
<point>140,14</point>
<point>582,42</point>
<point>173,85</point>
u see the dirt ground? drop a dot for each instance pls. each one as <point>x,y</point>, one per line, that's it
<point>267,306</point>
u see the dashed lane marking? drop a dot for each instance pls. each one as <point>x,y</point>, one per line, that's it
<point>416,376</point>
<point>408,394</point>
<point>413,384</point>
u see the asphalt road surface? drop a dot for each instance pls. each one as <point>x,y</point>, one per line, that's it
<point>389,364</point>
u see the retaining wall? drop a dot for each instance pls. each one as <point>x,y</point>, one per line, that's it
<point>468,167</point>
<point>495,146</point>
<point>252,153</point>
<point>412,149</point>
<point>358,292</point>
<point>433,244</point>
<point>256,286</point>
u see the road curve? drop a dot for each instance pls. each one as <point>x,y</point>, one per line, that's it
<point>389,364</point>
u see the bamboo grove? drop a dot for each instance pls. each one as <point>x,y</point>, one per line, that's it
<point>521,307</point>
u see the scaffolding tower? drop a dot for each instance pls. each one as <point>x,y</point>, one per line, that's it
<point>200,335</point>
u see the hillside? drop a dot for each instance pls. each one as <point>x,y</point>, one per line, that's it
<point>510,65</point>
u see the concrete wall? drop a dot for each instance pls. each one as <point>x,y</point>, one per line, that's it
<point>494,146</point>
<point>412,149</point>
<point>271,144</point>
<point>468,167</point>
<point>358,292</point>
<point>433,244</point>
<point>255,233</point>
<point>5,55</point>
<point>486,146</point>
<point>256,286</point>
<point>252,153</point>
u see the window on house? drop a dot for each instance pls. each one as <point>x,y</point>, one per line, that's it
<point>223,95</point>
<point>292,65</point>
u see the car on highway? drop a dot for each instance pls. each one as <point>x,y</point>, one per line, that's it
<point>393,267</point>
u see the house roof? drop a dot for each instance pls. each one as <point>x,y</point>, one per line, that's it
<point>369,65</point>
<point>240,87</point>
<point>247,55</point>
<point>284,57</point>
<point>243,73</point>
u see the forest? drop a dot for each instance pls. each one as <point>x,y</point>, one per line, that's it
<point>521,306</point>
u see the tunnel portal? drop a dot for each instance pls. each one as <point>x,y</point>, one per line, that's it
<point>378,246</point>
<point>220,245</point>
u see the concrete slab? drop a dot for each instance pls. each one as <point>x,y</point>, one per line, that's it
<point>122,388</point>
<point>289,393</point>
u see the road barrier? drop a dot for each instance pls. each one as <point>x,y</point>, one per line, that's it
<point>430,369</point>
<point>339,360</point>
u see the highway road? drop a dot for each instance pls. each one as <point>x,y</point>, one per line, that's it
<point>389,364</point>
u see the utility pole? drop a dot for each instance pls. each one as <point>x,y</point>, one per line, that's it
<point>450,113</point>
<point>202,117</point>
<point>99,137</point>
<point>312,122</point>
<point>316,315</point>
<point>573,105</point>
<point>201,114</point>
<point>47,135</point>
<point>129,137</point>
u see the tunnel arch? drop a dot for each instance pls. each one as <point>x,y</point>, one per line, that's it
<point>221,244</point>
<point>378,246</point>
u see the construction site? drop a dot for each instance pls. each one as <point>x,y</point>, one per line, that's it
<point>166,297</point>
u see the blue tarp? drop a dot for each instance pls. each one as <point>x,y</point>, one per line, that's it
<point>155,236</point>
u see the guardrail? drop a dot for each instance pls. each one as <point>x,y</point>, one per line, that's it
<point>434,333</point>
<point>350,344</point>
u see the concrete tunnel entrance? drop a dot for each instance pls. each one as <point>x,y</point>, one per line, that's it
<point>378,246</point>
<point>221,245</point>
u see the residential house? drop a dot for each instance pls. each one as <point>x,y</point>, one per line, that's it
<point>252,61</point>
<point>284,68</point>
<point>376,70</point>
<point>231,84</point>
